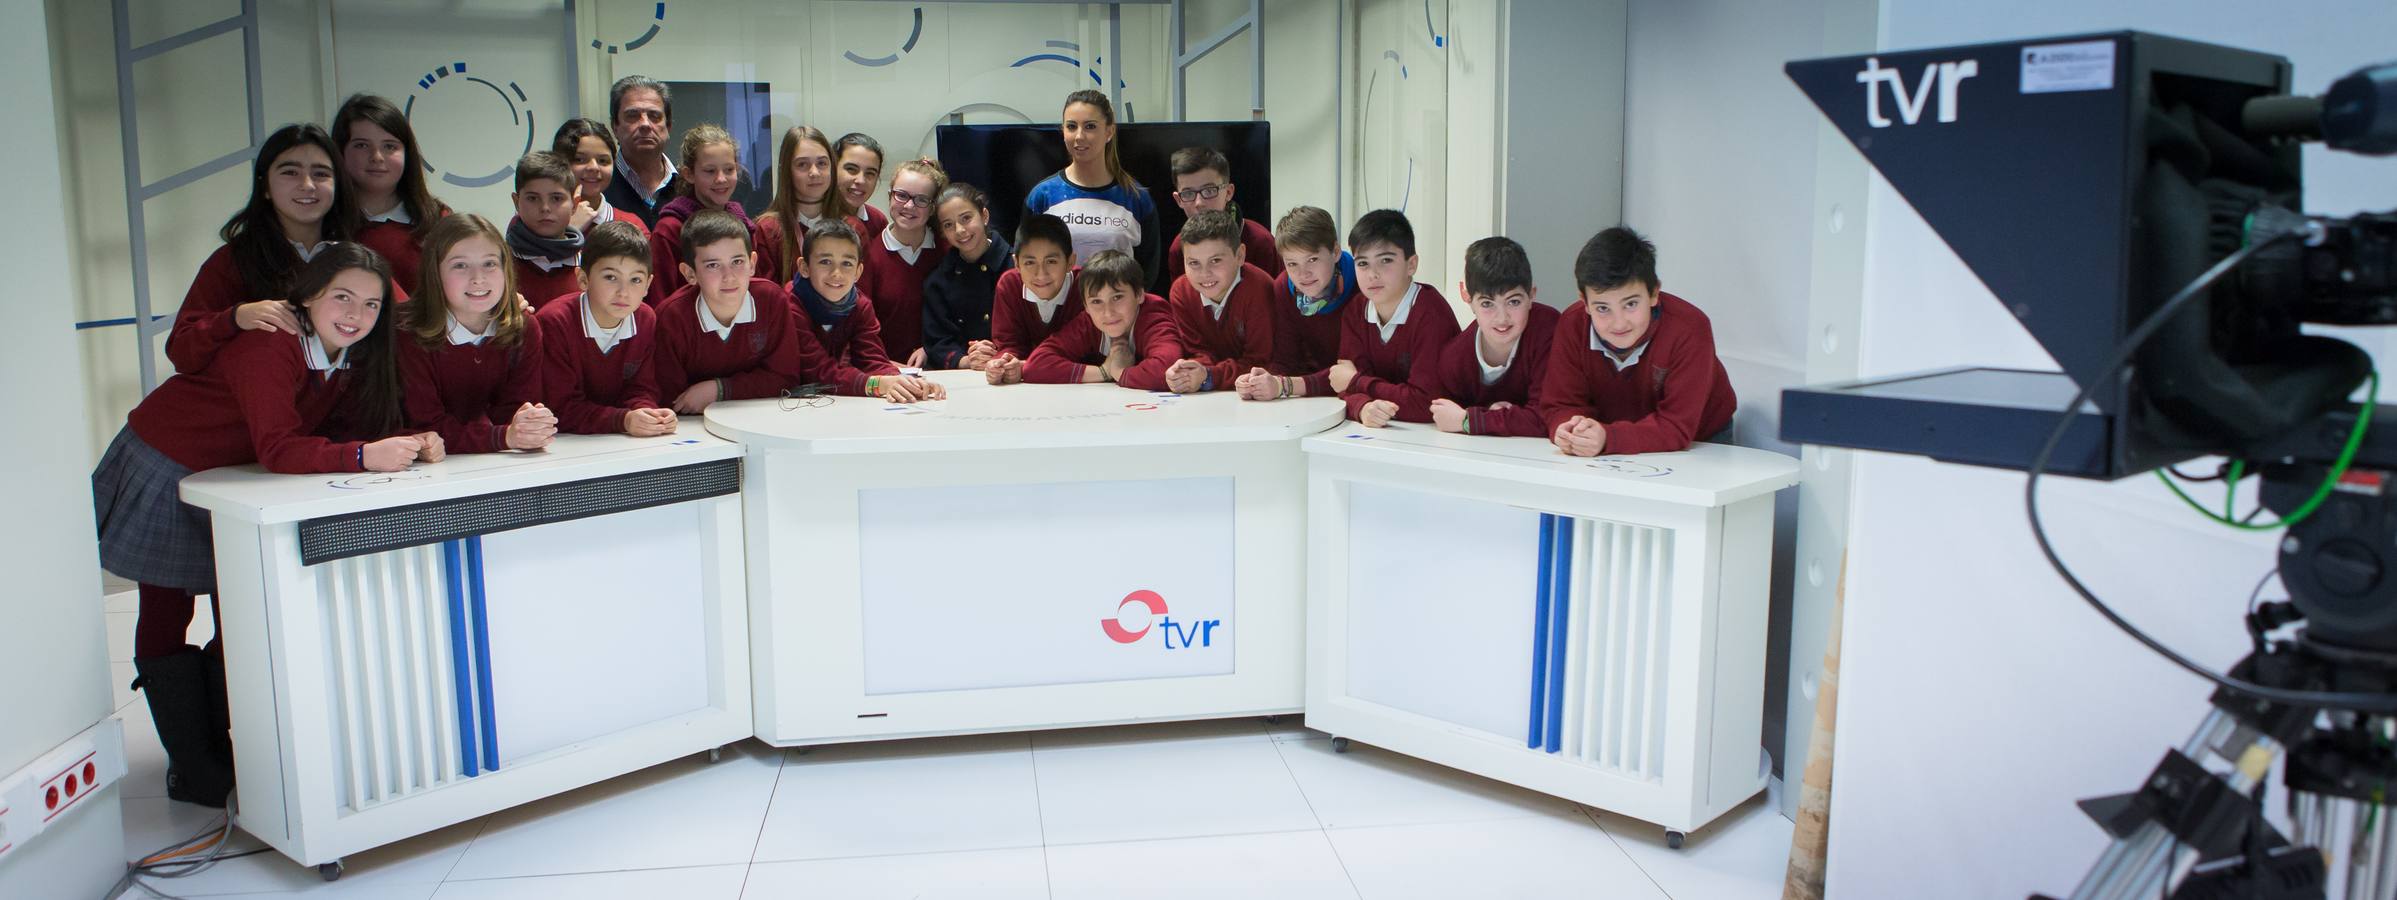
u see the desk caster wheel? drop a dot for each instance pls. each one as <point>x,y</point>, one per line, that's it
<point>715,754</point>
<point>329,871</point>
<point>1339,745</point>
<point>1673,839</point>
<point>1273,720</point>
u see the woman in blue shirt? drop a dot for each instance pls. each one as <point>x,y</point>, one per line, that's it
<point>1099,201</point>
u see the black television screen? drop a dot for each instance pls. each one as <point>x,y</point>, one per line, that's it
<point>1007,160</point>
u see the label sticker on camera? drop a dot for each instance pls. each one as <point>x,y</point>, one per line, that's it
<point>2055,68</point>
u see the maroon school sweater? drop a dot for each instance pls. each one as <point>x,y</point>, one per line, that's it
<point>667,254</point>
<point>205,323</point>
<point>1261,250</point>
<point>1676,394</point>
<point>398,244</point>
<point>591,391</point>
<point>255,401</point>
<point>761,359</point>
<point>1155,348</point>
<point>1241,340</point>
<point>855,342</point>
<point>1303,345</point>
<point>897,287</point>
<point>1456,375</point>
<point>1383,367</point>
<point>468,392</point>
<point>1015,323</point>
<point>538,287</point>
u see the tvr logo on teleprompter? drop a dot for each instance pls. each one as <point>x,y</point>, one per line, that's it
<point>1946,75</point>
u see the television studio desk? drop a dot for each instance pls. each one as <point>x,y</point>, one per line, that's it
<point>404,651</point>
<point>409,650</point>
<point>1588,628</point>
<point>1022,557</point>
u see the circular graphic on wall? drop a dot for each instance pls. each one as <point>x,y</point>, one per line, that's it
<point>914,32</point>
<point>469,129</point>
<point>657,22</point>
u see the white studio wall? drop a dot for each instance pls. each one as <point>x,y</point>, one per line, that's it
<point>1979,697</point>
<point>53,648</point>
<point>1720,172</point>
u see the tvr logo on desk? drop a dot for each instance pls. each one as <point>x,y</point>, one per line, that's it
<point>1948,75</point>
<point>1178,635</point>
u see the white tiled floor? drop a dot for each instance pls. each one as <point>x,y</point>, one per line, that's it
<point>1230,808</point>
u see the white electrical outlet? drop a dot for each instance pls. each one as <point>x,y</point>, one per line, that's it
<point>56,784</point>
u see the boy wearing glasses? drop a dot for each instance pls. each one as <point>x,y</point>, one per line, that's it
<point>1203,182</point>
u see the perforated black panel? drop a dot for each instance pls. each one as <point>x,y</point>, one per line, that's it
<point>358,534</point>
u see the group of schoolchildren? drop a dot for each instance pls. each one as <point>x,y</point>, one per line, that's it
<point>351,322</point>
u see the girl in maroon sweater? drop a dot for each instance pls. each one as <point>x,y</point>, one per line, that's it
<point>802,197</point>
<point>907,252</point>
<point>262,399</point>
<point>1033,301</point>
<point>296,209</point>
<point>378,154</point>
<point>711,169</point>
<point>1633,369</point>
<point>469,362</point>
<point>1124,334</point>
<point>599,348</point>
<point>589,148</point>
<point>1487,380</point>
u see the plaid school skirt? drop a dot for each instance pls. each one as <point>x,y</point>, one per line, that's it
<point>147,532</point>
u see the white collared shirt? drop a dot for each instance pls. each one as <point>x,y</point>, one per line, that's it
<point>547,266</point>
<point>807,221</point>
<point>606,214</point>
<point>607,338</point>
<point>1216,306</point>
<point>1397,317</point>
<point>890,242</point>
<point>1107,344</point>
<point>312,348</point>
<point>397,213</point>
<point>624,170</point>
<point>459,335</point>
<point>1490,374</point>
<point>1623,359</point>
<point>1048,308</point>
<point>722,330</point>
<point>308,253</point>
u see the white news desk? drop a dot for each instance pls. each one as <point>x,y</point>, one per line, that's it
<point>1021,557</point>
<point>409,650</point>
<point>1588,628</point>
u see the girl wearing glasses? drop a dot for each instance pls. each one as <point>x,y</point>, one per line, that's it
<point>897,262</point>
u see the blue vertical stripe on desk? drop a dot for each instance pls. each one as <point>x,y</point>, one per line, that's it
<point>1539,633</point>
<point>482,652</point>
<point>452,567</point>
<point>1560,613</point>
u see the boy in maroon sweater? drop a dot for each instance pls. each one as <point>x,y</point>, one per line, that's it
<point>1318,280</point>
<point>1124,334</point>
<point>1633,369</point>
<point>1222,307</point>
<point>1033,301</point>
<point>1203,183</point>
<point>599,347</point>
<point>842,319</point>
<point>724,335</point>
<point>543,241</point>
<point>1401,322</point>
<point>1487,380</point>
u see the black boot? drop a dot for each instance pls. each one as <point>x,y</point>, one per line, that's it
<point>177,687</point>
<point>220,716</point>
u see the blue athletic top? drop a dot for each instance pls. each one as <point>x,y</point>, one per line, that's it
<point>1105,218</point>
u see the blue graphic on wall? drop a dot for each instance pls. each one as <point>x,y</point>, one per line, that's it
<point>913,32</point>
<point>657,22</point>
<point>1092,69</point>
<point>1407,186</point>
<point>520,112</point>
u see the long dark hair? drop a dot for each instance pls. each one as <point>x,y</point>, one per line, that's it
<point>261,252</point>
<point>372,403</point>
<point>414,196</point>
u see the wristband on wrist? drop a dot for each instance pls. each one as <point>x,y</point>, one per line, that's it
<point>719,388</point>
<point>361,457</point>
